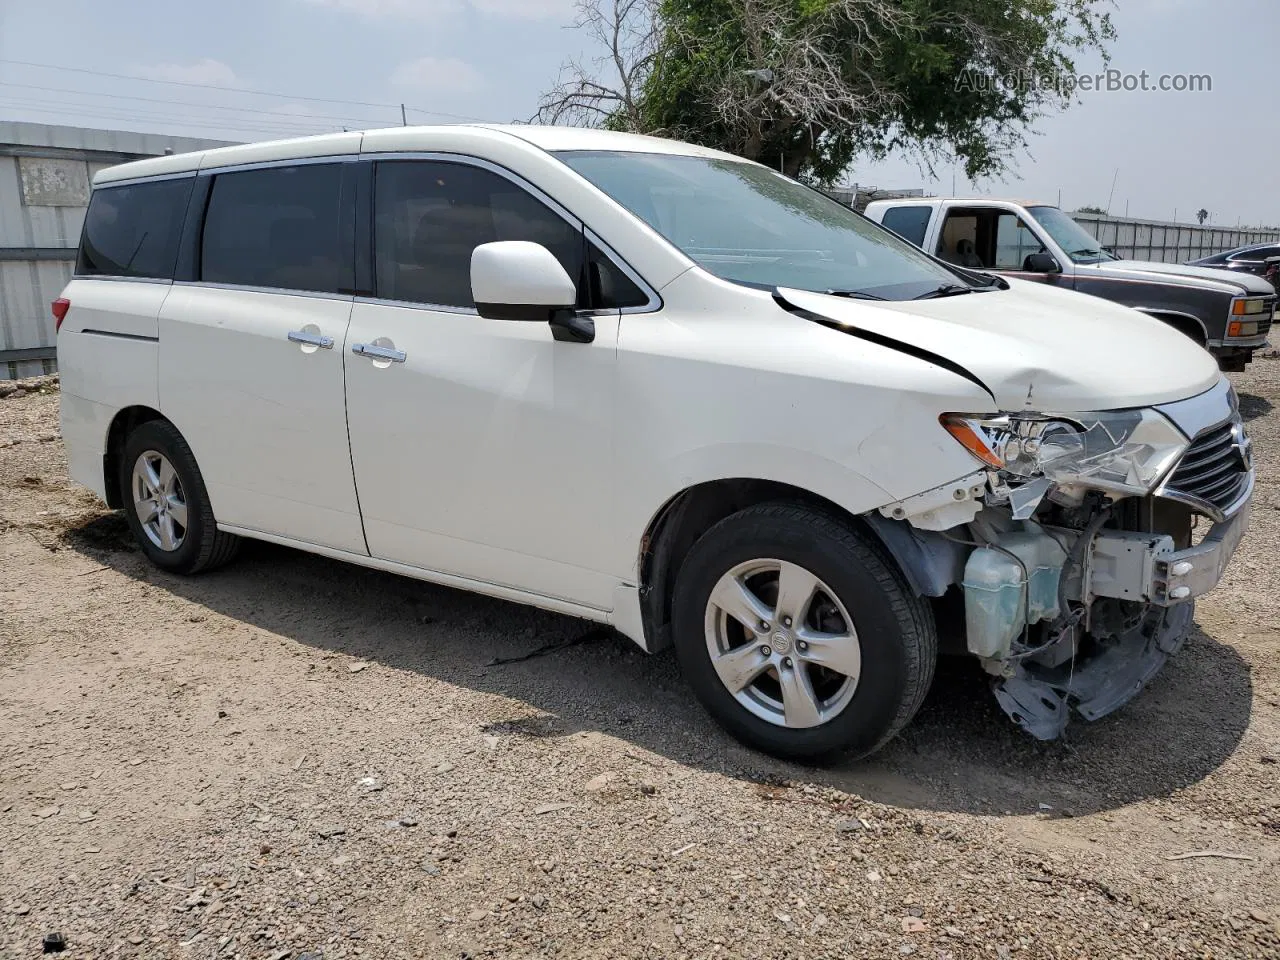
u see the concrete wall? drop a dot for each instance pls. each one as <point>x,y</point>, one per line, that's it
<point>1167,242</point>
<point>45,173</point>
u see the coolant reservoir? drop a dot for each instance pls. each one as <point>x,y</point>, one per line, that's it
<point>1002,595</point>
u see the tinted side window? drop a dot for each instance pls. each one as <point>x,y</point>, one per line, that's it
<point>133,231</point>
<point>910,223</point>
<point>1256,255</point>
<point>278,227</point>
<point>609,288</point>
<point>430,215</point>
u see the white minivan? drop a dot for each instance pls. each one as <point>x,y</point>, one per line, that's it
<point>658,387</point>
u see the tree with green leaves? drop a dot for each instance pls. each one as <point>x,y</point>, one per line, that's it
<point>806,86</point>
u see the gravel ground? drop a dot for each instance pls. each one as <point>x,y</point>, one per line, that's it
<point>295,758</point>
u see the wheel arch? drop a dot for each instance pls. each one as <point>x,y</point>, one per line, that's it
<point>123,423</point>
<point>1186,323</point>
<point>686,516</point>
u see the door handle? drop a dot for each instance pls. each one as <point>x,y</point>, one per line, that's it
<point>375,352</point>
<point>311,339</point>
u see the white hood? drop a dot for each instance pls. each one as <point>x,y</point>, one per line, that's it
<point>1038,348</point>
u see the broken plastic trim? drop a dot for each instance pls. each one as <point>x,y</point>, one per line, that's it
<point>910,349</point>
<point>1038,700</point>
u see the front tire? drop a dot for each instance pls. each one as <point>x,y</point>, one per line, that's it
<point>799,635</point>
<point>166,502</point>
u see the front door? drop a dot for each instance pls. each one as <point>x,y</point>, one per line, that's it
<point>482,448</point>
<point>251,362</point>
<point>989,238</point>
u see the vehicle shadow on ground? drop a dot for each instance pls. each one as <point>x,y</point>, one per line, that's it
<point>1253,406</point>
<point>961,754</point>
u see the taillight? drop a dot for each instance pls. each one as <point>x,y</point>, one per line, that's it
<point>60,308</point>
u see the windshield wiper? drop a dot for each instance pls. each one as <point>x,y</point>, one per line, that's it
<point>853,294</point>
<point>946,290</point>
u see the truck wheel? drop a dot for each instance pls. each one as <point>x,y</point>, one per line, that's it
<point>799,636</point>
<point>166,503</point>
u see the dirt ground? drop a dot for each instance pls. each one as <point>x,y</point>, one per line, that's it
<point>295,758</point>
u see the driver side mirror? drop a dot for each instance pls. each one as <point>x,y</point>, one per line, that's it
<point>1041,263</point>
<point>523,281</point>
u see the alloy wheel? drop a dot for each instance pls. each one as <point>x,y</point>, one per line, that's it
<point>159,501</point>
<point>782,643</point>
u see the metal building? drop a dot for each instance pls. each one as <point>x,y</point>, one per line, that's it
<point>45,173</point>
<point>1165,241</point>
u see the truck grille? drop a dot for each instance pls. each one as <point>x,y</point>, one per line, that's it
<point>1266,318</point>
<point>1216,472</point>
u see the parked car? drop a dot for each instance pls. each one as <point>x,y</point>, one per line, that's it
<point>1229,313</point>
<point>1260,259</point>
<point>658,387</point>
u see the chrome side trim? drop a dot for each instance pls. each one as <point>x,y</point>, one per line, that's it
<point>155,178</point>
<point>269,164</point>
<point>278,291</point>
<point>115,279</point>
<point>414,305</point>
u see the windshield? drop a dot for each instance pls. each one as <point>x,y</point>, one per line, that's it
<point>745,223</point>
<point>1078,244</point>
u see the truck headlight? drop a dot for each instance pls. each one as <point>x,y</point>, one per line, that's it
<point>1121,451</point>
<point>1248,308</point>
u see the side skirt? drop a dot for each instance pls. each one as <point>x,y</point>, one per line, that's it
<point>553,604</point>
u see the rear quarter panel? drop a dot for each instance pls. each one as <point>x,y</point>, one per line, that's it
<point>107,360</point>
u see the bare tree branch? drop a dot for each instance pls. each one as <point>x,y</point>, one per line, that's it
<point>627,30</point>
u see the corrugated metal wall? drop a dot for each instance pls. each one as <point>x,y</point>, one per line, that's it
<point>45,176</point>
<point>1166,242</point>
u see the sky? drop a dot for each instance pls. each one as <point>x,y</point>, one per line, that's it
<point>183,68</point>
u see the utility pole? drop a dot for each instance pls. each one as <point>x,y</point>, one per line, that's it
<point>404,121</point>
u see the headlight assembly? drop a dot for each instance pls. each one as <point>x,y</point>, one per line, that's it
<point>1124,452</point>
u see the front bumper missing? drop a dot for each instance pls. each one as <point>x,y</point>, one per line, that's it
<point>1039,701</point>
<point>1147,569</point>
<point>1142,569</point>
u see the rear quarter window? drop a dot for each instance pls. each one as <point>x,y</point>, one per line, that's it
<point>910,223</point>
<point>133,230</point>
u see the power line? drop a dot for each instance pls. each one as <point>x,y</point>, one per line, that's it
<point>190,103</point>
<point>214,86</point>
<point>151,119</point>
<point>168,115</point>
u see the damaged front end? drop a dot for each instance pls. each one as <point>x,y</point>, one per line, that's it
<point>1074,547</point>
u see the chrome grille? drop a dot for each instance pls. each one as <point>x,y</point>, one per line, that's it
<point>1216,473</point>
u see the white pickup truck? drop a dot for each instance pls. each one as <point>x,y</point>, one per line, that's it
<point>1228,312</point>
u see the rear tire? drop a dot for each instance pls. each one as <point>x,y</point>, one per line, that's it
<point>166,503</point>
<point>837,674</point>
